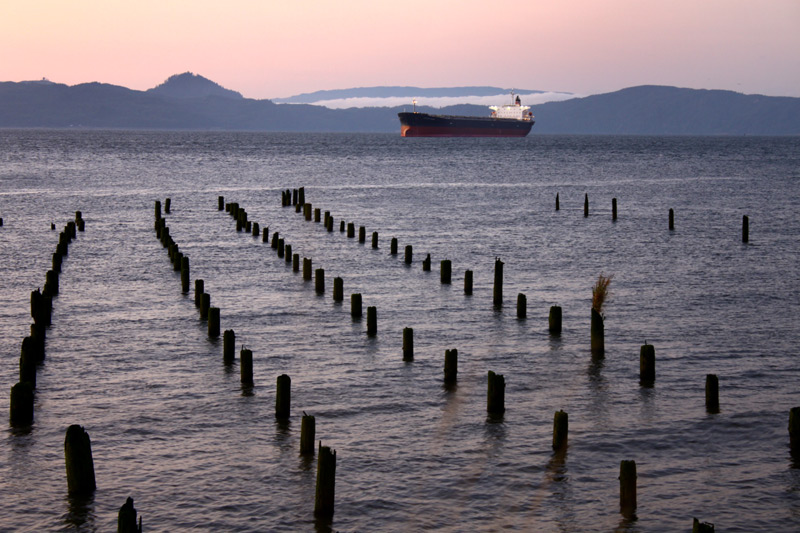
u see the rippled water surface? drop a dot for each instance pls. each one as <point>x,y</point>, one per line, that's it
<point>129,359</point>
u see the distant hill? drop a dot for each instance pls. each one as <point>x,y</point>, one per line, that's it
<point>191,102</point>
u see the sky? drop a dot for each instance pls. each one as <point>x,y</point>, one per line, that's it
<point>279,48</point>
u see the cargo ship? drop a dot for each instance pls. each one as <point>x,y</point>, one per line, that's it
<point>511,120</point>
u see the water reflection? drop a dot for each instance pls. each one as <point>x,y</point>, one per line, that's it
<point>80,513</point>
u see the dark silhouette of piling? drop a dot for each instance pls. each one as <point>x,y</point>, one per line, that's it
<point>409,254</point>
<point>246,366</point>
<point>701,527</point>
<point>374,239</point>
<point>794,430</point>
<point>307,210</point>
<point>287,252</point>
<point>362,234</point>
<point>560,430</point>
<point>326,482</point>
<point>157,213</point>
<point>319,280</point>
<point>281,248</point>
<point>496,394</point>
<point>498,283</point>
<point>301,195</point>
<point>167,203</point>
<point>355,305</point>
<point>199,289</point>
<point>27,362</point>
<point>450,366</point>
<point>557,204</point>
<point>598,343</point>
<point>627,487</point>
<point>21,406</point>
<point>586,205</point>
<point>317,214</point>
<point>228,346</point>
<point>265,234</point>
<point>326,218</point>
<point>220,203</point>
<point>613,209</point>
<point>372,320</point>
<point>647,365</point>
<point>213,321</point>
<point>57,262</point>
<point>468,282</point>
<point>51,283</point>
<point>294,196</point>
<point>307,434</point>
<point>745,228</point>
<point>446,269</point>
<point>522,306</point>
<point>126,520</point>
<point>426,263</point>
<point>554,320</point>
<point>393,246</point>
<point>351,230</point>
<point>78,458</point>
<point>712,393</point>
<point>408,344</point>
<point>329,224</point>
<point>256,229</point>
<point>283,397</point>
<point>295,262</point>
<point>185,274</point>
<point>274,242</point>
<point>341,226</point>
<point>307,268</point>
<point>338,289</point>
<point>671,219</point>
<point>205,305</point>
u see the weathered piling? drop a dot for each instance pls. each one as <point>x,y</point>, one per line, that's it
<point>317,214</point>
<point>355,305</point>
<point>701,527</point>
<point>613,209</point>
<point>393,246</point>
<point>213,321</point>
<point>248,227</point>
<point>167,203</point>
<point>627,487</point>
<point>287,252</point>
<point>408,344</point>
<point>298,208</point>
<point>586,205</point>
<point>409,254</point>
<point>745,228</point>
<point>265,234</point>
<point>51,283</point>
<point>647,365</point>
<point>283,397</point>
<point>329,224</point>
<point>372,320</point>
<point>557,204</point>
<point>295,262</point>
<point>560,430</point>
<point>671,219</point>
<point>341,226</point>
<point>554,320</point>
<point>794,430</point>
<point>81,223</point>
<point>57,262</point>
<point>220,203</point>
<point>199,289</point>
<point>362,234</point>
<point>185,274</point>
<point>498,283</point>
<point>374,239</point>
<point>301,195</point>
<point>307,434</point>
<point>338,289</point>
<point>522,306</point>
<point>712,393</point>
<point>307,210</point>
<point>246,366</point>
<point>426,263</point>
<point>326,482</point>
<point>468,282</point>
<point>319,280</point>
<point>450,366</point>
<point>126,520</point>
<point>205,305</point>
<point>21,405</point>
<point>177,260</point>
<point>256,229</point>
<point>307,268</point>
<point>274,242</point>
<point>281,248</point>
<point>326,218</point>
<point>446,271</point>
<point>294,196</point>
<point>496,394</point>
<point>228,346</point>
<point>351,230</point>
<point>28,362</point>
<point>598,343</point>
<point>78,458</point>
<point>158,210</point>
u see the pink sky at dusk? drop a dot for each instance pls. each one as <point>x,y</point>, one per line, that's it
<point>269,49</point>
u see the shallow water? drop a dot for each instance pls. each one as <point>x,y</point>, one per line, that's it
<point>129,359</point>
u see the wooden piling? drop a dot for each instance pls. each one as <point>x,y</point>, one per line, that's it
<point>199,289</point>
<point>256,229</point>
<point>362,234</point>
<point>409,254</point>
<point>450,366</point>
<point>426,263</point>
<point>496,392</point>
<point>21,405</point>
<point>57,262</point>
<point>671,219</point>
<point>613,209</point>
<point>351,230</point>
<point>338,289</point>
<point>281,248</point>
<point>701,527</point>
<point>326,218</point>
<point>307,434</point>
<point>326,482</point>
<point>287,252</point>
<point>554,320</point>
<point>274,243</point>
<point>220,203</point>
<point>51,283</point>
<point>627,487</point>
<point>317,214</point>
<point>374,239</point>
<point>126,520</point>
<point>341,226</point>
<point>27,362</point>
<point>283,397</point>
<point>319,280</point>
<point>560,430</point>
<point>498,283</point>
<point>228,346</point>
<point>598,344</point>
<point>185,274</point>
<point>78,458</point>
<point>372,320</point>
<point>446,271</point>
<point>522,306</point>
<point>393,246</point>
<point>167,203</point>
<point>157,213</point>
<point>329,225</point>
<point>301,195</point>
<point>295,262</point>
<point>355,305</point>
<point>586,205</point>
<point>294,196</point>
<point>246,366</point>
<point>213,322</point>
<point>712,393</point>
<point>307,268</point>
<point>468,282</point>
<point>557,206</point>
<point>794,430</point>
<point>647,365</point>
<point>265,234</point>
<point>307,210</point>
<point>745,228</point>
<point>408,344</point>
<point>205,304</point>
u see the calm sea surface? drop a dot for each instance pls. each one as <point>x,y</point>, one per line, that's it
<point>129,359</point>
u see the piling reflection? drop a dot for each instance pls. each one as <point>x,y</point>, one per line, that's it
<point>80,513</point>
